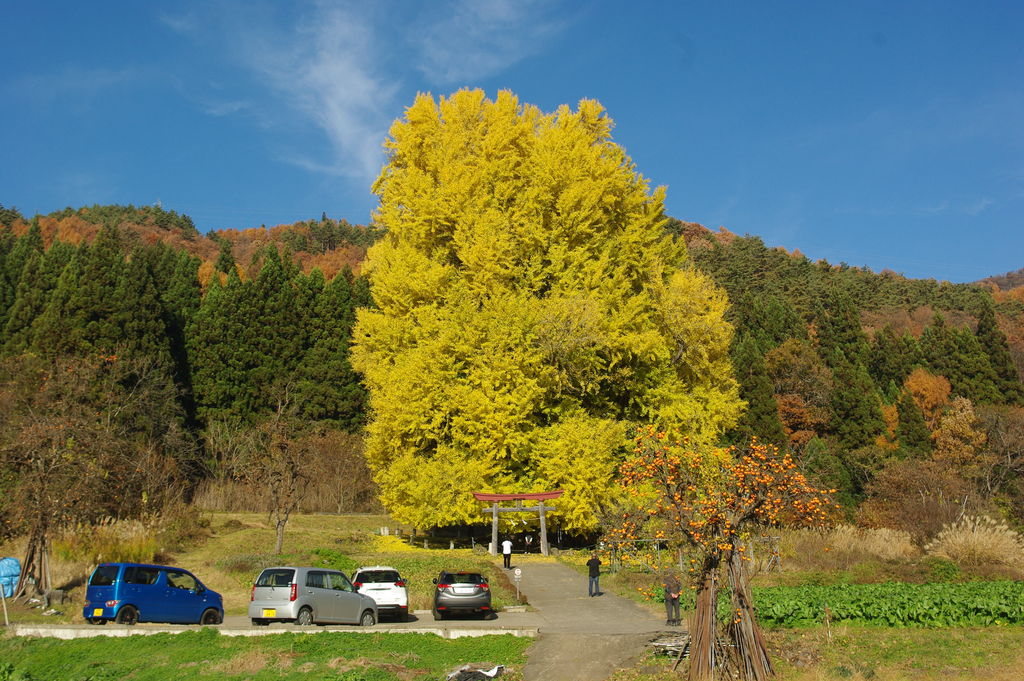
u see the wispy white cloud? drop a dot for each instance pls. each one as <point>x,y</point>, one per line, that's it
<point>479,39</point>
<point>342,65</point>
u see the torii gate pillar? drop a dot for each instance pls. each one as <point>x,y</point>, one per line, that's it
<point>540,508</point>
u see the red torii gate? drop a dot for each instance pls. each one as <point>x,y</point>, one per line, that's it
<point>540,508</point>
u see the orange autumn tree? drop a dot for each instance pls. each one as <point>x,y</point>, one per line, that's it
<point>704,498</point>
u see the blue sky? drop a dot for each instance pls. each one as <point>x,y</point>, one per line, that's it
<point>875,133</point>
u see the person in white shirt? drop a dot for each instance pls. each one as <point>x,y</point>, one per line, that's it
<point>506,552</point>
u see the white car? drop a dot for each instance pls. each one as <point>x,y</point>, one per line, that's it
<point>385,586</point>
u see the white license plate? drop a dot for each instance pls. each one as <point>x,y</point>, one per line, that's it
<point>269,612</point>
<point>97,612</point>
<point>464,589</point>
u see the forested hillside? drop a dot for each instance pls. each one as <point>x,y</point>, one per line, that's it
<point>903,394</point>
<point>134,344</point>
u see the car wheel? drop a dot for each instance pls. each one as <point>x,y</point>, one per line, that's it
<point>127,615</point>
<point>367,619</point>
<point>260,623</point>
<point>95,620</point>
<point>438,615</point>
<point>210,616</point>
<point>305,618</point>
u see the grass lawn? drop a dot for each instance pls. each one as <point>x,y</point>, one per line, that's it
<point>206,654</point>
<point>878,654</point>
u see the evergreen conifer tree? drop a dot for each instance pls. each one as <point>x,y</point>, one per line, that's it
<point>993,342</point>
<point>328,388</point>
<point>912,432</point>
<point>761,418</point>
<point>856,408</point>
<point>94,305</point>
<point>840,331</point>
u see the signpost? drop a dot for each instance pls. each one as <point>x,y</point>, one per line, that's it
<point>516,576</point>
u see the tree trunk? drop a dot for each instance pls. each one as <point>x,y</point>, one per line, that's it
<point>751,652</point>
<point>703,630</point>
<point>281,522</point>
<point>35,573</point>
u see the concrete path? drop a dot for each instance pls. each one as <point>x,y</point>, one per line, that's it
<point>581,638</point>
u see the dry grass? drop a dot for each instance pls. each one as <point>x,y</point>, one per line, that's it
<point>109,540</point>
<point>882,543</point>
<point>977,541</point>
<point>247,664</point>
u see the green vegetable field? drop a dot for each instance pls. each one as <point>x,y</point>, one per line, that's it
<point>893,604</point>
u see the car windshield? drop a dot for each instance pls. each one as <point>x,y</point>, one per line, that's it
<point>276,577</point>
<point>464,578</point>
<point>378,576</point>
<point>104,575</point>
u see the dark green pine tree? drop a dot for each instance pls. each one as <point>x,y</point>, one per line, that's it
<point>893,357</point>
<point>182,295</point>
<point>14,262</point>
<point>280,338</point>
<point>94,305</point>
<point>993,341</point>
<point>329,389</point>
<point>220,342</point>
<point>912,432</point>
<point>38,281</point>
<point>957,355</point>
<point>761,418</point>
<point>975,376</point>
<point>140,315</point>
<point>856,407</point>
<point>29,301</point>
<point>57,331</point>
<point>840,331</point>
<point>225,258</point>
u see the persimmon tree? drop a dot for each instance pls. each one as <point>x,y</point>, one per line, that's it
<point>708,499</point>
<point>529,307</point>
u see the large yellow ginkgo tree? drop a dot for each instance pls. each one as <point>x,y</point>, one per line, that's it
<point>529,310</point>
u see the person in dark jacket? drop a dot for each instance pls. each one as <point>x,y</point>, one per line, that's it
<point>594,566</point>
<point>672,591</point>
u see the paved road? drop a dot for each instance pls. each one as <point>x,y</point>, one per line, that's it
<point>581,638</point>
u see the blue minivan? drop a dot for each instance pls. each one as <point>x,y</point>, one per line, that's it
<point>134,592</point>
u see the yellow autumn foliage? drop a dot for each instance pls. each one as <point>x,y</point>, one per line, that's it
<point>529,309</point>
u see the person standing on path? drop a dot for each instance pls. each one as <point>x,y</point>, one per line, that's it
<point>506,552</point>
<point>672,591</point>
<point>594,565</point>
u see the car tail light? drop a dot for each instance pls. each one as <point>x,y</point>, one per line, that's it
<point>357,585</point>
<point>484,586</point>
<point>252,596</point>
<point>399,583</point>
<point>111,604</point>
<point>442,585</point>
<point>294,593</point>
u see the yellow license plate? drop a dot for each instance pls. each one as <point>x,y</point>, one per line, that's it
<point>269,613</point>
<point>97,612</point>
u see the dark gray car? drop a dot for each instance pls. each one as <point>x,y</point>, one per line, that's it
<point>461,593</point>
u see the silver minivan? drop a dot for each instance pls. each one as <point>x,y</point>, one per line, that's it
<point>307,595</point>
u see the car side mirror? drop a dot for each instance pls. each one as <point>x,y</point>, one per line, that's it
<point>200,589</point>
<point>434,580</point>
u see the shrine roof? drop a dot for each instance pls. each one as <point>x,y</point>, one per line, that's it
<point>533,496</point>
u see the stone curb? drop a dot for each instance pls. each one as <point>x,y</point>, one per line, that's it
<point>86,631</point>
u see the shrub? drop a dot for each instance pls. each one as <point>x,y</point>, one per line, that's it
<point>882,543</point>
<point>976,541</point>
<point>109,540</point>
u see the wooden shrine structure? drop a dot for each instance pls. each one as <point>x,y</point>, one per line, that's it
<point>540,509</point>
